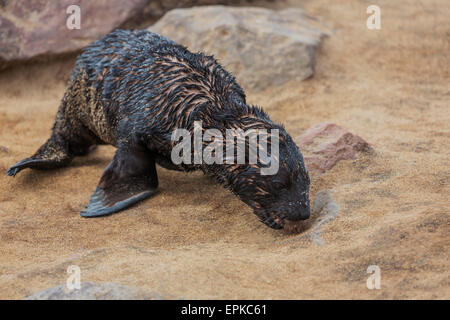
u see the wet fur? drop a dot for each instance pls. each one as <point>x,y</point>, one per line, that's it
<point>132,89</point>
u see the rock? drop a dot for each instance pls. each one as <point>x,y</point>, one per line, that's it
<point>38,29</point>
<point>4,149</point>
<point>94,291</point>
<point>325,144</point>
<point>261,47</point>
<point>155,9</point>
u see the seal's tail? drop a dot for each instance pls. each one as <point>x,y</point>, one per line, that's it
<point>52,154</point>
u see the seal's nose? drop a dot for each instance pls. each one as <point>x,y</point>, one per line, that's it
<point>305,213</point>
<point>302,211</point>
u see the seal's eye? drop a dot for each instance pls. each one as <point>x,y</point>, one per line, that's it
<point>282,180</point>
<point>278,185</point>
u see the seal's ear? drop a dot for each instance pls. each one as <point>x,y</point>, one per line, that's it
<point>130,177</point>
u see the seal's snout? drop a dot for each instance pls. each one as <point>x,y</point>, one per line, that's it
<point>302,214</point>
<point>299,210</point>
<point>284,213</point>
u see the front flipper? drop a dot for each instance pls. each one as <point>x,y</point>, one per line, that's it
<point>129,178</point>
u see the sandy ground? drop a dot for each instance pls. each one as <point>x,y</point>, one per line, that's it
<point>196,240</point>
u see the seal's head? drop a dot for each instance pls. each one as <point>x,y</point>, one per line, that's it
<point>280,198</point>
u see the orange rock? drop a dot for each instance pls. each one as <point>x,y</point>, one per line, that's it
<point>325,144</point>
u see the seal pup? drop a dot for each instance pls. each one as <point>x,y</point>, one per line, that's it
<point>132,89</point>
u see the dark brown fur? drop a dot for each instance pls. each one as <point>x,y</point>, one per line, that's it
<point>132,89</point>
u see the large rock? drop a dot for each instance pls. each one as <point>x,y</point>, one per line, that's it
<point>325,144</point>
<point>261,47</point>
<point>94,291</point>
<point>155,9</point>
<point>37,29</point>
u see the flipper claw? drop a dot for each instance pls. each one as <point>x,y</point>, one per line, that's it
<point>12,172</point>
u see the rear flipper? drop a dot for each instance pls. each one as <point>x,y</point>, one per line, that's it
<point>129,178</point>
<point>53,154</point>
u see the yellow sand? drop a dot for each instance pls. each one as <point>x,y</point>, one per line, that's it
<point>196,240</point>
